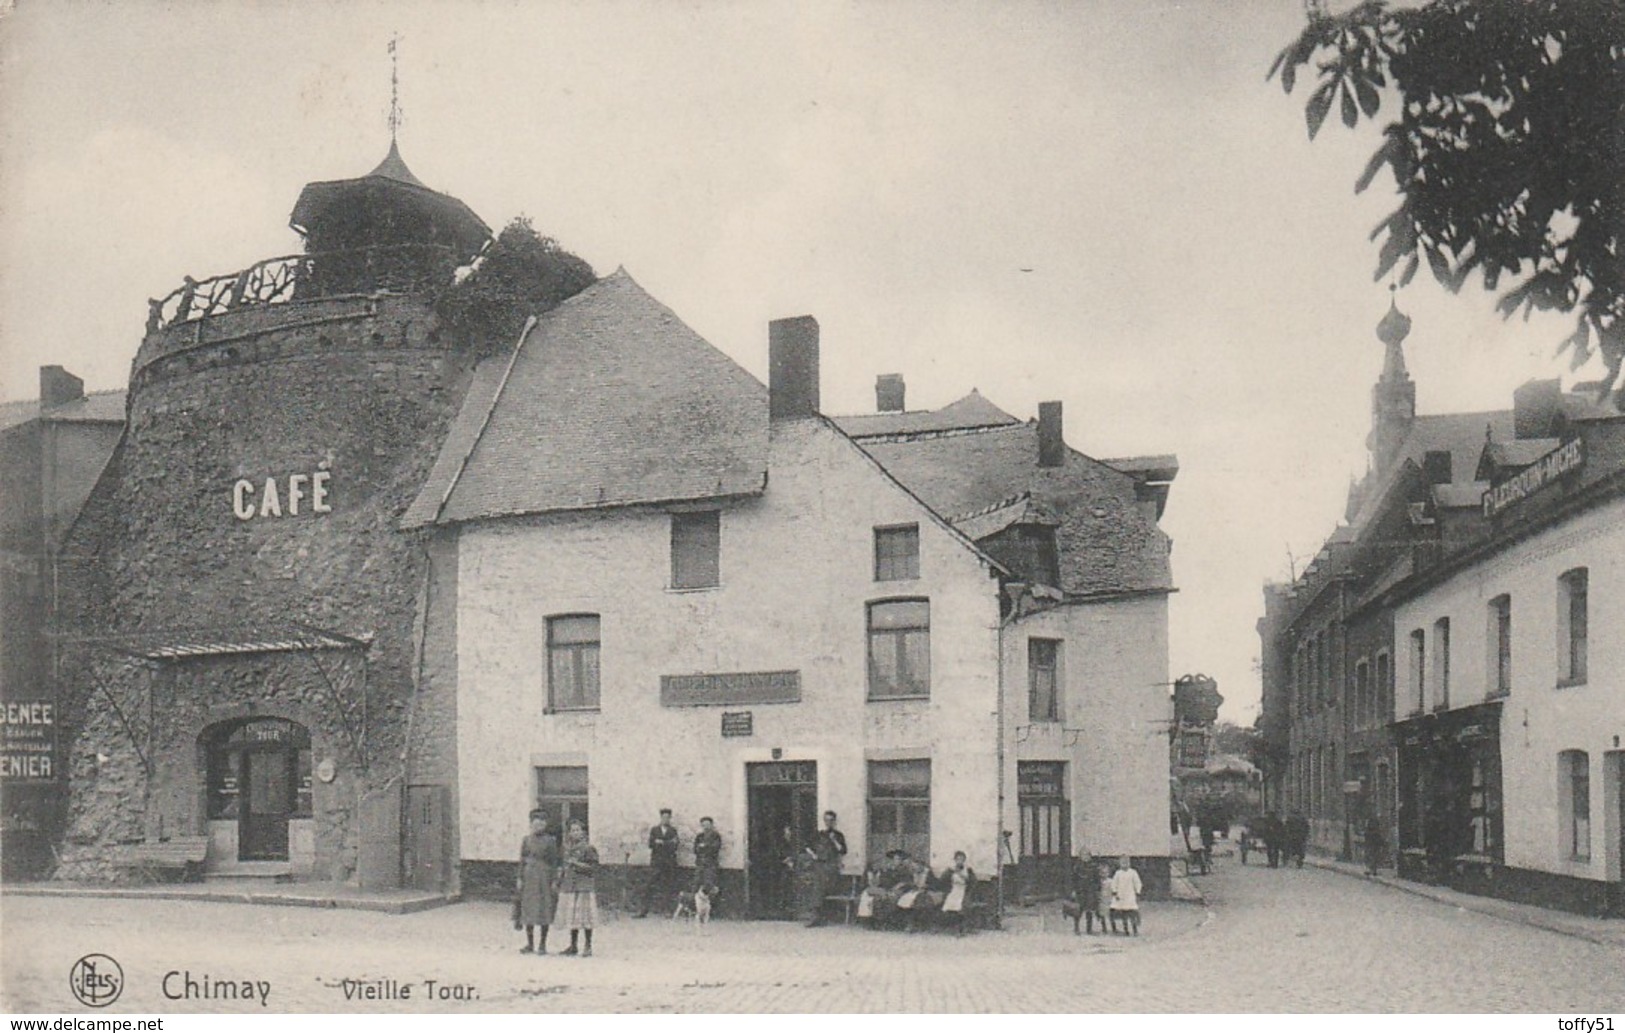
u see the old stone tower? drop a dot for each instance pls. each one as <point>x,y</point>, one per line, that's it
<point>243,629</point>
<point>1393,397</point>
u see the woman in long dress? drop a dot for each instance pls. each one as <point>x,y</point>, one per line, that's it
<point>577,906</point>
<point>960,878</point>
<point>538,867</point>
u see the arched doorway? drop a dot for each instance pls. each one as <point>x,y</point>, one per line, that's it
<point>258,774</point>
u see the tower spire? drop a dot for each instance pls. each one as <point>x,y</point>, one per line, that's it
<point>1393,399</point>
<point>394,88</point>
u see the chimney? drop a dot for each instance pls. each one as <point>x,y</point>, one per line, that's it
<point>792,368</point>
<point>1051,446</point>
<point>889,392</point>
<point>1536,407</point>
<point>58,387</point>
<point>1436,467</point>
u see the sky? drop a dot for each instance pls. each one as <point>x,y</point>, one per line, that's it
<point>1099,203</point>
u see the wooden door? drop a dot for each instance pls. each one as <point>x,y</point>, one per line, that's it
<point>268,800</point>
<point>1046,828</point>
<point>426,837</point>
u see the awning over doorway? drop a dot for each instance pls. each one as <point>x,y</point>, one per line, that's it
<point>229,640</point>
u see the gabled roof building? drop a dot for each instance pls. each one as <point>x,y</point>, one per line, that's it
<point>384,591</point>
<point>1385,729</point>
<point>676,587</point>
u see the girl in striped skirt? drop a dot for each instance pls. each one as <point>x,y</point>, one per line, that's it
<point>577,905</point>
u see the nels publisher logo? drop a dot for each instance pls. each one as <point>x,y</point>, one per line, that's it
<point>96,980</point>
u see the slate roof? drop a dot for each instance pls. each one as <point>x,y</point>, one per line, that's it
<point>1519,452</point>
<point>1151,468</point>
<point>1462,434</point>
<point>94,407</point>
<point>969,412</point>
<point>1105,540</point>
<point>610,400</point>
<point>1020,510</point>
<point>1460,496</point>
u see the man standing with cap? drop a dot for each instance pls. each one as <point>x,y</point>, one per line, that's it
<point>663,841</point>
<point>828,848</point>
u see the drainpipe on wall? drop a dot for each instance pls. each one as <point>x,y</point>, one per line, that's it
<point>998,751</point>
<point>1000,846</point>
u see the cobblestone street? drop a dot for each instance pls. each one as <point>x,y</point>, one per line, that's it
<point>1289,940</point>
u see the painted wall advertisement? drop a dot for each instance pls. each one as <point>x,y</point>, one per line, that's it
<point>28,742</point>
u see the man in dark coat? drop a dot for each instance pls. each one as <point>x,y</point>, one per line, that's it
<point>1297,837</point>
<point>828,847</point>
<point>707,853</point>
<point>1270,830</point>
<point>662,882</point>
<point>1376,843</point>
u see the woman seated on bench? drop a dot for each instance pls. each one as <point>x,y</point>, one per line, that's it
<point>885,884</point>
<point>921,893</point>
<point>960,880</point>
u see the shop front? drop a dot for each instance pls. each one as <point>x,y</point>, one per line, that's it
<point>1450,797</point>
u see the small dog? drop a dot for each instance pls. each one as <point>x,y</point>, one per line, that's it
<point>694,906</point>
<point>1073,910</point>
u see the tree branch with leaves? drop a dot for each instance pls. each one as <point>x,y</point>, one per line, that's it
<point>1508,149</point>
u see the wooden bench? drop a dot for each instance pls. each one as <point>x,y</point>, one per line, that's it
<point>153,858</point>
<point>847,901</point>
<point>978,913</point>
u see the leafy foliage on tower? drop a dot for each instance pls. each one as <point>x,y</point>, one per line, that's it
<point>521,274</point>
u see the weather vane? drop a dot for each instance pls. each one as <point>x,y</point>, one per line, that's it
<point>394,87</point>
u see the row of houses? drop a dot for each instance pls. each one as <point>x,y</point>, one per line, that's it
<point>1433,677</point>
<point>351,594</point>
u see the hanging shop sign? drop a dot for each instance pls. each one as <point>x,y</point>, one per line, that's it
<point>27,742</point>
<point>1193,749</point>
<point>294,495</point>
<point>1535,477</point>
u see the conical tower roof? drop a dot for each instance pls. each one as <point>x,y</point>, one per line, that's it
<point>1394,327</point>
<point>393,167</point>
<point>392,184</point>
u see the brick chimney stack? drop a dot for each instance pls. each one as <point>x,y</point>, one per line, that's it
<point>792,368</point>
<point>1051,445</point>
<point>58,387</point>
<point>889,392</point>
<point>1437,466</point>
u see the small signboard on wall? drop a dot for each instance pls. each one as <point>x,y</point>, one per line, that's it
<point>737,724</point>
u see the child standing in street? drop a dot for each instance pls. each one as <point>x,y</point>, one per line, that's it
<point>1126,888</point>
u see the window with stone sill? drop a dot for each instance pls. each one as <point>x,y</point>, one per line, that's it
<point>899,649</point>
<point>900,808</point>
<point>1441,664</point>
<point>1385,689</point>
<point>561,793</point>
<point>1419,667</point>
<point>1499,658</point>
<point>696,550</point>
<point>1572,618</point>
<point>572,662</point>
<point>897,553</point>
<point>1574,774</point>
<point>1043,679</point>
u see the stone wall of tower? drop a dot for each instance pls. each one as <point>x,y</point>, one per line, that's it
<point>353,393</point>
